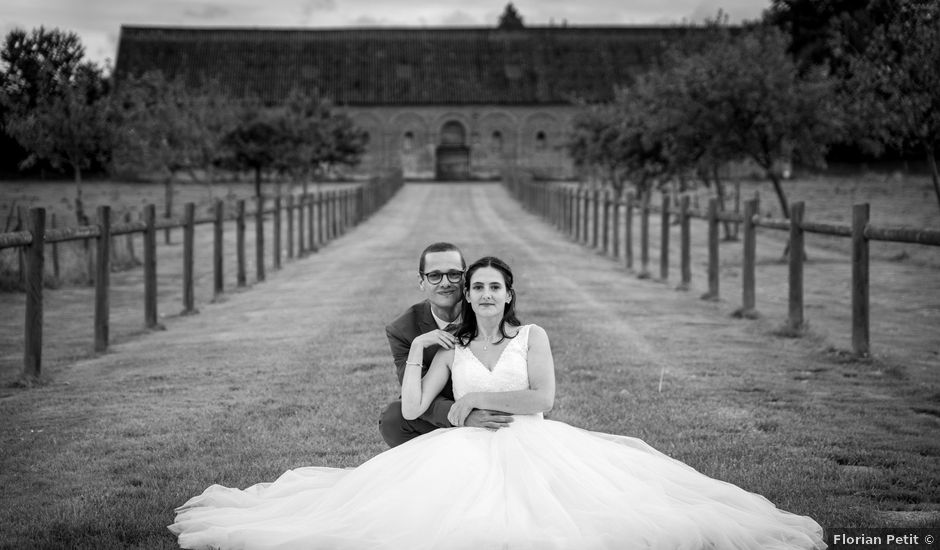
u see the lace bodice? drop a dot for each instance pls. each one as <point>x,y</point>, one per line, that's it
<point>510,373</point>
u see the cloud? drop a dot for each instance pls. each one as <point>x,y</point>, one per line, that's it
<point>736,10</point>
<point>312,7</point>
<point>459,19</point>
<point>207,11</point>
<point>369,21</point>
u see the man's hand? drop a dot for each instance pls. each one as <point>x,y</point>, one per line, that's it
<point>436,337</point>
<point>482,418</point>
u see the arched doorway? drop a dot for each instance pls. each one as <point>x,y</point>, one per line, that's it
<point>453,155</point>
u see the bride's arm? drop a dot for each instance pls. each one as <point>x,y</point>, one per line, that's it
<point>538,398</point>
<point>417,393</point>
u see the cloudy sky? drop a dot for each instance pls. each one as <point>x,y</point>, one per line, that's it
<point>98,22</point>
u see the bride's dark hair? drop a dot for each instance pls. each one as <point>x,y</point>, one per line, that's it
<point>468,329</point>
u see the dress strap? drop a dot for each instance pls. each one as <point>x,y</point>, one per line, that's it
<point>522,337</point>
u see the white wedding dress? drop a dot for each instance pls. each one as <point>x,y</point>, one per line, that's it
<point>536,485</point>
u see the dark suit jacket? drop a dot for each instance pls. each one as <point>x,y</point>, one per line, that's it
<point>415,321</point>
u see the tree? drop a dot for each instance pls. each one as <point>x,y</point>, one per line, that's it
<point>772,114</point>
<point>617,142</point>
<point>53,101</point>
<point>37,65</point>
<point>260,141</point>
<point>207,116</point>
<point>67,129</point>
<point>510,19</point>
<point>146,116</point>
<point>321,137</point>
<point>893,85</point>
<point>344,142</point>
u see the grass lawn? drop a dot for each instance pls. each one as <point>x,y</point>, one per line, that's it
<point>295,371</point>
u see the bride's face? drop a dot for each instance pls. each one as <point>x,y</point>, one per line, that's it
<point>488,295</point>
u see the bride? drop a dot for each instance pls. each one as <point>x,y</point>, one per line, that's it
<point>537,484</point>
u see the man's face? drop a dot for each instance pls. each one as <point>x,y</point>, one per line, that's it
<point>445,293</point>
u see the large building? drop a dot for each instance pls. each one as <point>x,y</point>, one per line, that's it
<point>446,103</point>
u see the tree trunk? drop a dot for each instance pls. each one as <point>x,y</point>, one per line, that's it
<point>257,181</point>
<point>79,205</point>
<point>720,190</point>
<point>168,203</point>
<point>785,207</point>
<point>781,196</point>
<point>932,163</point>
<point>168,196</point>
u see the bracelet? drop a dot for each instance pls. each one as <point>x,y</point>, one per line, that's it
<point>413,363</point>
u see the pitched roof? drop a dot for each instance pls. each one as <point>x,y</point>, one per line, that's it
<point>401,66</point>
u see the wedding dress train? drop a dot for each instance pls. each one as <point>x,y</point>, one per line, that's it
<point>536,485</point>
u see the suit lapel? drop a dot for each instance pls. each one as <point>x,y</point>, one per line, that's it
<point>425,319</point>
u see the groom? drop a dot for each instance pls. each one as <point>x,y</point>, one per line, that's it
<point>431,323</point>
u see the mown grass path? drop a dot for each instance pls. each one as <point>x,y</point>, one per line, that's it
<point>296,370</point>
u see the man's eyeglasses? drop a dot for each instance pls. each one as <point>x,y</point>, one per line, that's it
<point>436,277</point>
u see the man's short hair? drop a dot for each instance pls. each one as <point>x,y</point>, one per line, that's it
<point>441,247</point>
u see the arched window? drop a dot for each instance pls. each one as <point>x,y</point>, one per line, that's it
<point>453,133</point>
<point>540,141</point>
<point>496,141</point>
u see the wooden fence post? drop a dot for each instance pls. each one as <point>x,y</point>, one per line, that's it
<point>664,239</point>
<point>21,222</point>
<point>616,236</point>
<point>330,215</point>
<point>241,276</point>
<point>326,220</point>
<point>713,269</point>
<point>686,244</point>
<point>218,279</point>
<point>150,267</point>
<point>750,258</point>
<point>860,302</point>
<point>320,204</point>
<point>585,214</point>
<point>259,238</point>
<point>569,211</point>
<point>577,214</point>
<point>595,217</point>
<point>102,278</point>
<point>290,226</point>
<point>334,227</point>
<point>55,254</point>
<point>35,267</point>
<point>628,231</point>
<point>796,267</point>
<point>338,213</point>
<point>277,233</point>
<point>645,237</point>
<point>301,225</point>
<point>189,249</point>
<point>315,236</point>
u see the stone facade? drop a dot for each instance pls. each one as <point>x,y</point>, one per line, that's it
<point>446,103</point>
<point>465,142</point>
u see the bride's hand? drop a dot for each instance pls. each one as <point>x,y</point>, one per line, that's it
<point>436,337</point>
<point>460,410</point>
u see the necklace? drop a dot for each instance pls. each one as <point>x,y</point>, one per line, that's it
<point>487,341</point>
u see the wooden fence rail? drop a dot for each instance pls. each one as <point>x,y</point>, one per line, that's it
<point>578,201</point>
<point>335,211</point>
